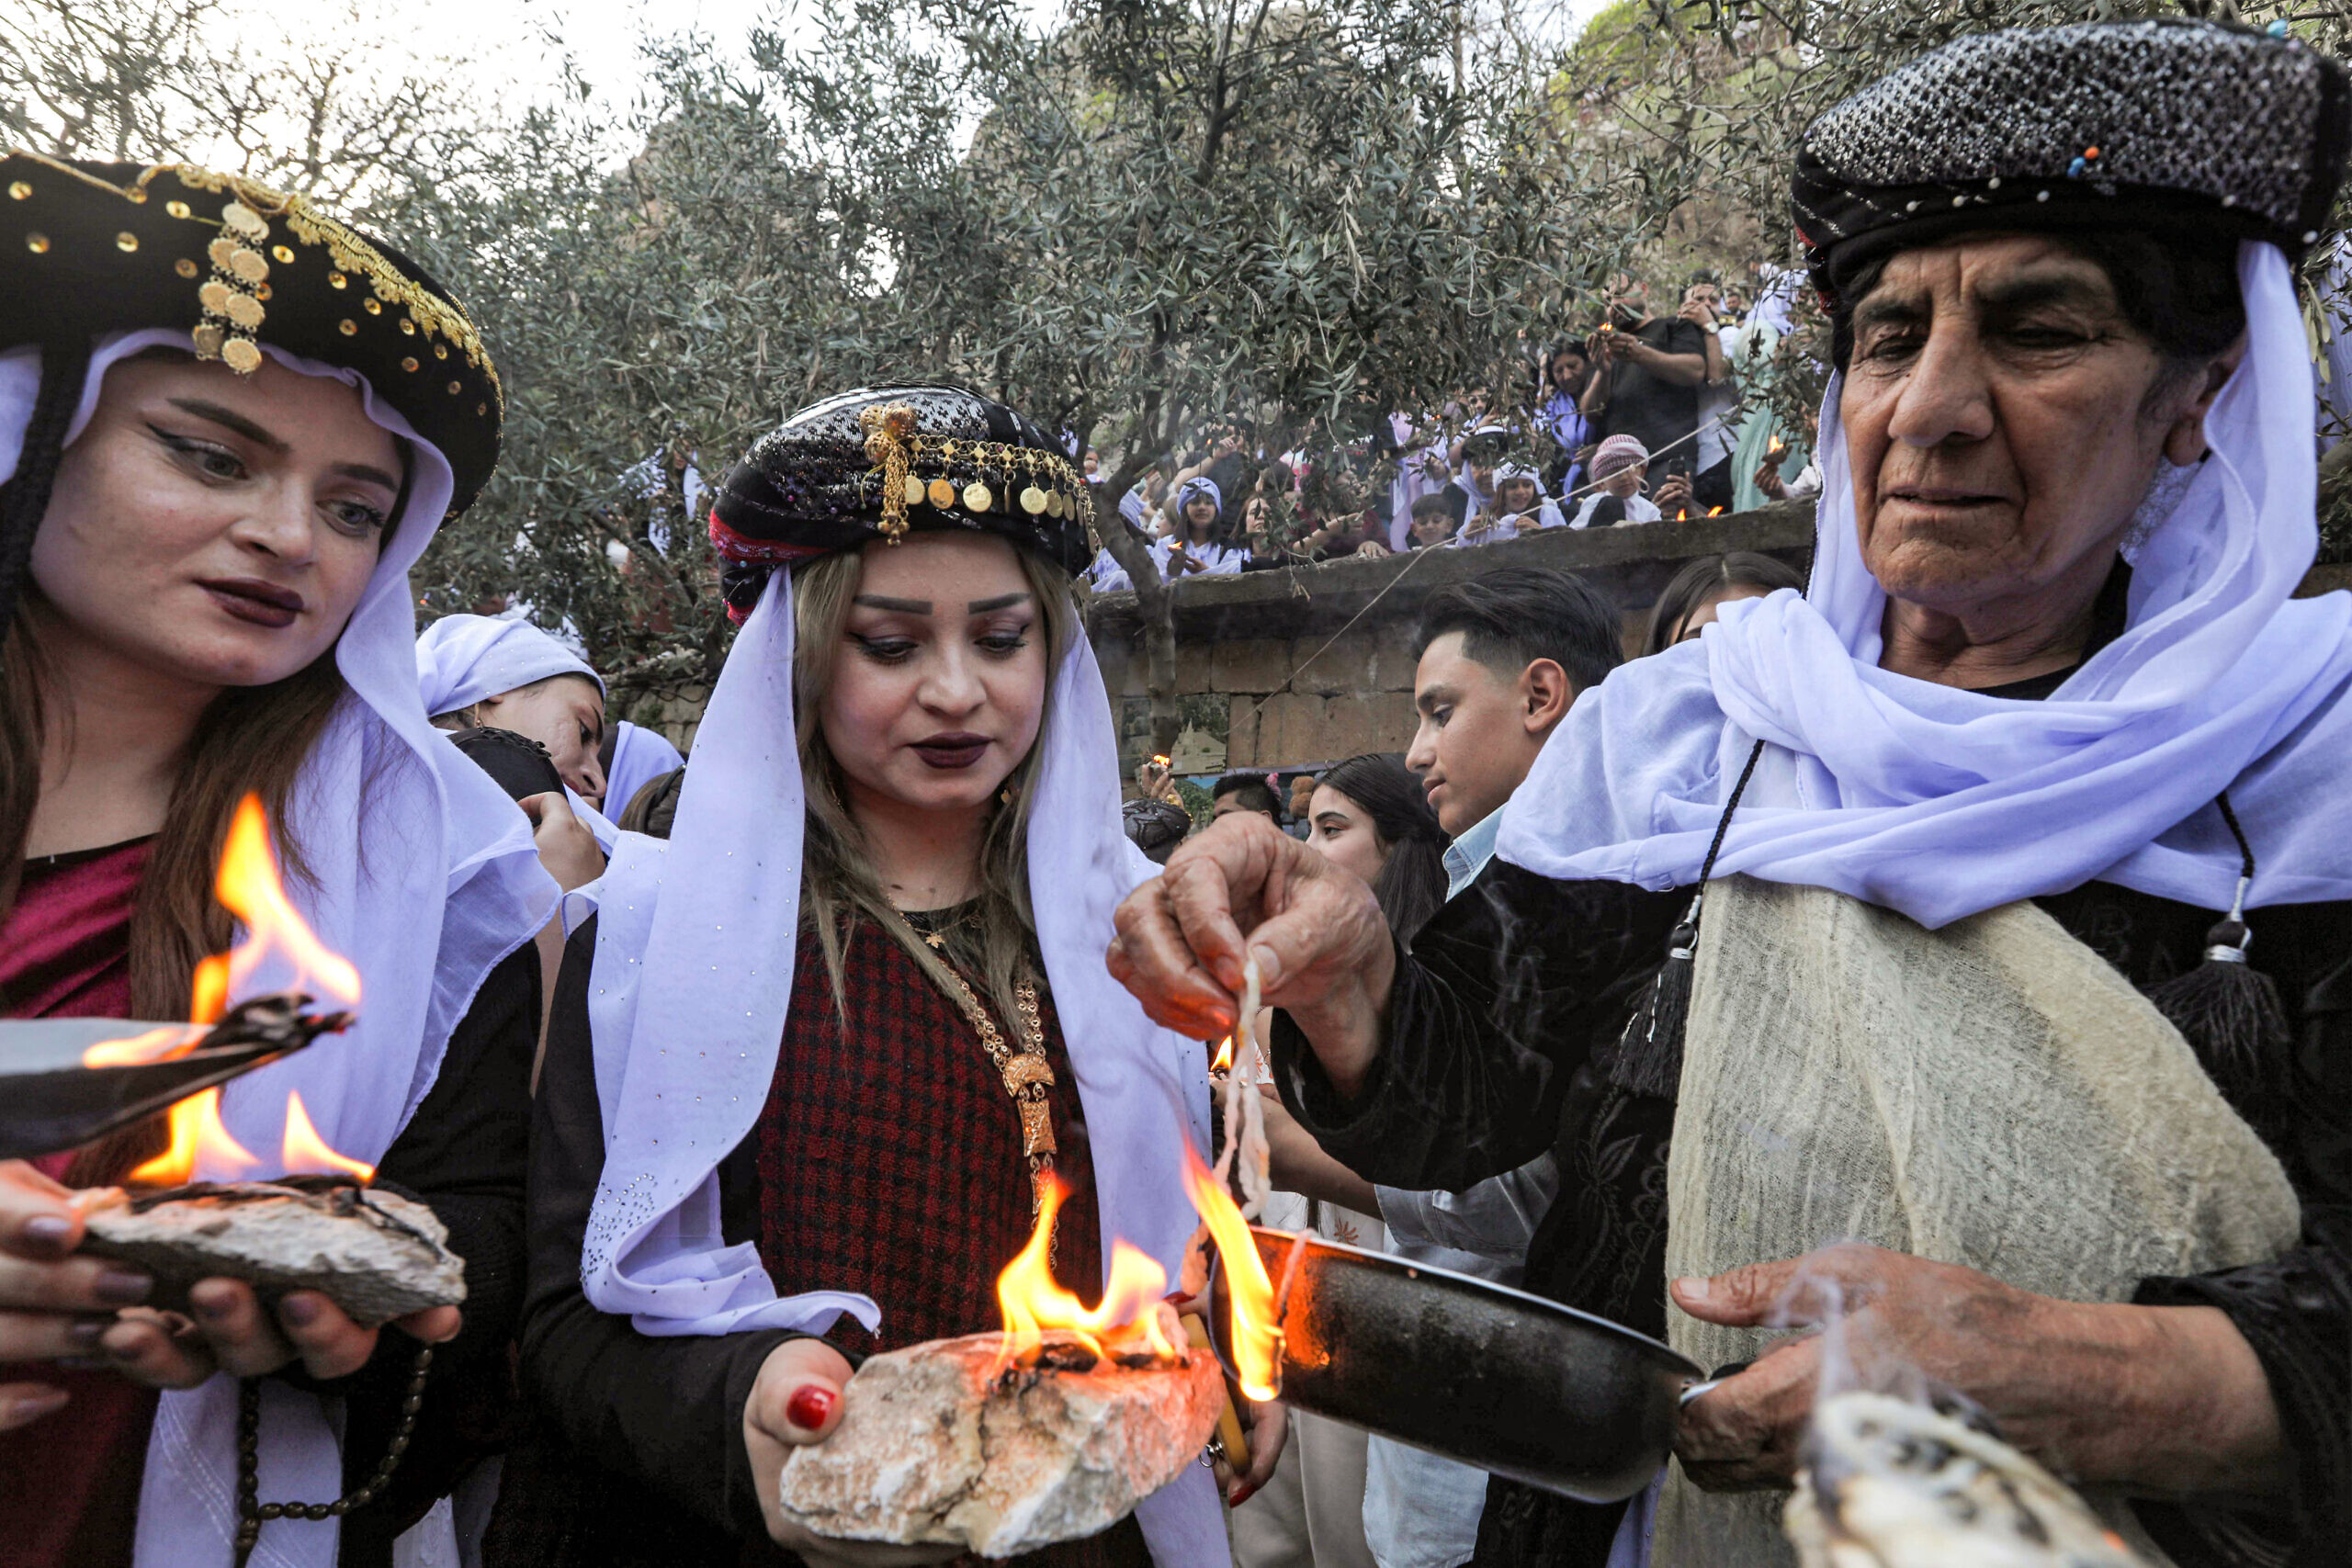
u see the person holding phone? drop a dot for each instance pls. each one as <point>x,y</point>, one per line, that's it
<point>1646,374</point>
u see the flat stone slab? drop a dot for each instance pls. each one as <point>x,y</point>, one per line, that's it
<point>375,1255</point>
<point>938,1447</point>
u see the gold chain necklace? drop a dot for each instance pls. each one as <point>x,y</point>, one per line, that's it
<point>1027,1074</point>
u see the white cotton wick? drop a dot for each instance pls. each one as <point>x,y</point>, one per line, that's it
<point>1248,1133</point>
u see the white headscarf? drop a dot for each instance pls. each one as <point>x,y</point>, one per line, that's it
<point>1942,803</point>
<point>460,660</point>
<point>424,878</point>
<point>640,756</point>
<point>695,944</point>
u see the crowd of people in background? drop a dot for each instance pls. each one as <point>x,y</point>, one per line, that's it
<point>1640,418</point>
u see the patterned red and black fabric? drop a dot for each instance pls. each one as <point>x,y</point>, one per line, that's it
<point>889,1154</point>
<point>890,1162</point>
<point>65,953</point>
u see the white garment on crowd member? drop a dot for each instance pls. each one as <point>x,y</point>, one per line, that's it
<point>1638,509</point>
<point>640,756</point>
<point>1718,401</point>
<point>1411,483</point>
<point>654,1252</point>
<point>424,876</point>
<point>1546,514</point>
<point>460,660</point>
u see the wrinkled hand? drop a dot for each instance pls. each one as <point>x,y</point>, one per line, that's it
<point>2162,1398</point>
<point>797,1401</point>
<point>1324,952</point>
<point>566,847</point>
<point>56,1306</point>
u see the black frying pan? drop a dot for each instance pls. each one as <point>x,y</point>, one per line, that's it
<point>1476,1372</point>
<point>50,1102</point>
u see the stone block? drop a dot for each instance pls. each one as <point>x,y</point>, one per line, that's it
<point>1290,728</point>
<point>1373,721</point>
<point>1250,664</point>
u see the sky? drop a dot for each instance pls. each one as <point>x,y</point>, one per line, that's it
<point>506,41</point>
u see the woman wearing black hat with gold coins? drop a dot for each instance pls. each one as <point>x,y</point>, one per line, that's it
<point>229,424</point>
<point>811,1067</point>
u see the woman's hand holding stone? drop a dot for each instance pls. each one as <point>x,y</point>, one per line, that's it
<point>1324,952</point>
<point>55,1306</point>
<point>797,1401</point>
<point>2156,1400</point>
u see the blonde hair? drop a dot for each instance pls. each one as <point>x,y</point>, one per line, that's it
<point>837,879</point>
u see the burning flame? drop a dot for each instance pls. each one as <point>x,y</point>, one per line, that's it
<point>1256,1340</point>
<point>1714,512</point>
<point>1224,1062</point>
<point>277,940</point>
<point>1773,450</point>
<point>197,1137</point>
<point>160,1043</point>
<point>1034,1302</point>
<point>279,949</point>
<point>303,1149</point>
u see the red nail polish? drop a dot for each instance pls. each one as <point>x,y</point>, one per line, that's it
<point>809,1407</point>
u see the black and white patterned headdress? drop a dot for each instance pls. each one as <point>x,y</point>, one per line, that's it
<point>2100,125</point>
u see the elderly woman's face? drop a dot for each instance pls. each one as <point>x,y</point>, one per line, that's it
<point>2003,419</point>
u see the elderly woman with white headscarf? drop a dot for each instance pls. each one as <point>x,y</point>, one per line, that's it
<point>2028,898</point>
<point>218,472</point>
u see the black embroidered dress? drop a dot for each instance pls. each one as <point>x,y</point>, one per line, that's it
<point>887,1160</point>
<point>1503,1041</point>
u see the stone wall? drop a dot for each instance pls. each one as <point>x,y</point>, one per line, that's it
<point>1287,669</point>
<point>1282,669</point>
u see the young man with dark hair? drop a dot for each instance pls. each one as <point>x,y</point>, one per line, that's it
<point>1502,656</point>
<point>1246,792</point>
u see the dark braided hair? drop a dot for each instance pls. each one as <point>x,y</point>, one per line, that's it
<point>24,497</point>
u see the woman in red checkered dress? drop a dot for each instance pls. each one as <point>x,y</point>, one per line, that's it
<point>777,1129</point>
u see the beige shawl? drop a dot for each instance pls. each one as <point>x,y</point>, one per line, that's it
<point>1992,1094</point>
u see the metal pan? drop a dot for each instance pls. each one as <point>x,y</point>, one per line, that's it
<point>1476,1372</point>
<point>50,1102</point>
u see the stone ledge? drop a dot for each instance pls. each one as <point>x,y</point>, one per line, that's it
<point>1631,564</point>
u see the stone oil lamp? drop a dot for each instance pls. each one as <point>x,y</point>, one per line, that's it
<point>314,1222</point>
<point>1051,1430</point>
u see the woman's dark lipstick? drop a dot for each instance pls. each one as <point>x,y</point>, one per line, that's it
<point>251,600</point>
<point>948,752</point>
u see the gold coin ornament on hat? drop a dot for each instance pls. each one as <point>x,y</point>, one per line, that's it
<point>1032,501</point>
<point>913,490</point>
<point>943,493</point>
<point>240,355</point>
<point>245,311</point>
<point>977,497</point>
<point>213,296</point>
<point>248,265</point>
<point>209,338</point>
<point>221,249</point>
<point>245,220</point>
